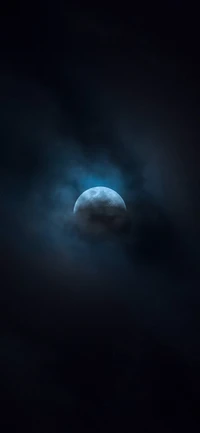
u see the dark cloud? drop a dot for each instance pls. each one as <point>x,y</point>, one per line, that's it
<point>99,334</point>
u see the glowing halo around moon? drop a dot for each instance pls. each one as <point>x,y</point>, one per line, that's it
<point>99,210</point>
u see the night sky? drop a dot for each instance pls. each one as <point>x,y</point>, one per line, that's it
<point>97,334</point>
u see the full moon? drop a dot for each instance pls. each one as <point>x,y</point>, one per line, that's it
<point>100,209</point>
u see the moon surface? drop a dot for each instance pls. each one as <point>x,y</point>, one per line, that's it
<point>100,209</point>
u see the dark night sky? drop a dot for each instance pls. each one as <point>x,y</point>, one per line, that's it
<point>96,335</point>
